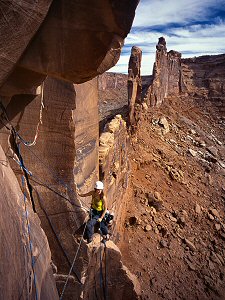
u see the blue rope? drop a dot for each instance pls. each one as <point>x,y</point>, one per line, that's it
<point>29,237</point>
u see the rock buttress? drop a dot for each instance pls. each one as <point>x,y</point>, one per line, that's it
<point>17,277</point>
<point>115,168</point>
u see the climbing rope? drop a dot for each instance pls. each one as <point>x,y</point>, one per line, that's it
<point>29,237</point>
<point>59,181</point>
<point>26,173</point>
<point>74,260</point>
<point>103,283</point>
<point>56,235</point>
<point>29,144</point>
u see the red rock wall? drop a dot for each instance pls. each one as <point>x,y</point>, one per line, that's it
<point>17,279</point>
<point>64,39</point>
<point>66,149</point>
<point>109,80</point>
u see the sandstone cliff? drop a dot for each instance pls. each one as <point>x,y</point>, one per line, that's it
<point>201,77</point>
<point>55,123</point>
<point>24,245</point>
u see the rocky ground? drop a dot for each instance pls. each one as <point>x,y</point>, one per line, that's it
<point>175,226</point>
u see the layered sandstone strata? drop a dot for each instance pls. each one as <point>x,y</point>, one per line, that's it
<point>112,88</point>
<point>67,40</point>
<point>64,120</point>
<point>204,78</point>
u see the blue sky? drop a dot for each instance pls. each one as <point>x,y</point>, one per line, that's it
<point>192,27</point>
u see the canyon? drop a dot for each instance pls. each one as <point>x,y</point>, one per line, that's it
<point>156,141</point>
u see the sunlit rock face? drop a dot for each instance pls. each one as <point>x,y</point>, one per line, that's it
<point>167,79</point>
<point>134,82</point>
<point>109,277</point>
<point>65,39</point>
<point>115,168</point>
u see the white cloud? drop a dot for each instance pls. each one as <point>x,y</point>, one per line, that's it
<point>162,12</point>
<point>191,41</point>
<point>196,32</point>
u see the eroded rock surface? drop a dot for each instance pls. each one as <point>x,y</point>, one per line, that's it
<point>64,119</point>
<point>204,78</point>
<point>112,88</point>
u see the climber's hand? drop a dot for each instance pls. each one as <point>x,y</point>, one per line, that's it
<point>99,220</point>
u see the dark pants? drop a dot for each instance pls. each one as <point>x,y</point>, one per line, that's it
<point>92,222</point>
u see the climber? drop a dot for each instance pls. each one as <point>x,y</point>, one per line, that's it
<point>97,213</point>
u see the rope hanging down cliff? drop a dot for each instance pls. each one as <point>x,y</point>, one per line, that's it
<point>74,260</point>
<point>13,142</point>
<point>29,238</point>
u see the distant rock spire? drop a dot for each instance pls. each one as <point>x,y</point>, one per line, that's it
<point>134,82</point>
<point>167,75</point>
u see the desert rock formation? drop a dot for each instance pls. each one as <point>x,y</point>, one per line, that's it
<point>19,239</point>
<point>63,39</point>
<point>55,124</point>
<point>204,79</point>
<point>174,233</point>
<point>167,79</point>
<point>115,169</point>
<point>134,83</point>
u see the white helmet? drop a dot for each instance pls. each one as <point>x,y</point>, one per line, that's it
<point>99,185</point>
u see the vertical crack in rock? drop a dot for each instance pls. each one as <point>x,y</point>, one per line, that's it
<point>105,272</point>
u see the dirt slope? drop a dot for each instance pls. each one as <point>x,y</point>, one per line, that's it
<point>177,250</point>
